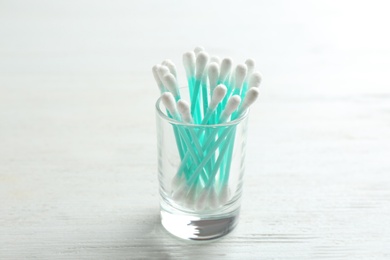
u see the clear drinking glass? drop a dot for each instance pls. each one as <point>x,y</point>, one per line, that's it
<point>200,171</point>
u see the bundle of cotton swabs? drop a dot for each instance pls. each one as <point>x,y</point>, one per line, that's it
<point>218,94</point>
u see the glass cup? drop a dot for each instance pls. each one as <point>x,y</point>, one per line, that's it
<point>200,171</point>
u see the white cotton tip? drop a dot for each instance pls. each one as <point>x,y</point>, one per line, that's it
<point>218,94</point>
<point>240,75</point>
<point>171,66</point>
<point>184,110</point>
<point>198,49</point>
<point>225,68</point>
<point>213,199</point>
<point>170,83</point>
<point>213,73</point>
<point>161,71</point>
<point>255,80</point>
<point>189,63</point>
<point>215,59</point>
<point>170,104</point>
<point>224,195</point>
<point>201,61</point>
<point>250,98</point>
<point>231,106</point>
<point>157,77</point>
<point>250,64</point>
<point>201,203</point>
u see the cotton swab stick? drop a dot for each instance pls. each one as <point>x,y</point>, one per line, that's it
<point>250,64</point>
<point>218,94</point>
<point>239,78</point>
<point>213,73</point>
<point>157,78</point>
<point>205,91</point>
<point>224,75</point>
<point>184,110</point>
<point>200,65</point>
<point>250,98</point>
<point>169,102</point>
<point>255,80</point>
<point>189,66</point>
<point>226,67</point>
<point>232,104</point>
<point>161,71</point>
<point>171,84</point>
<point>171,66</point>
<point>189,63</point>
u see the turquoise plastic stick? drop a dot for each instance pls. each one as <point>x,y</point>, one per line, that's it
<point>220,159</point>
<point>213,147</point>
<point>195,109</point>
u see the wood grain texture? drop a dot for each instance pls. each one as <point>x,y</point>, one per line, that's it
<point>77,129</point>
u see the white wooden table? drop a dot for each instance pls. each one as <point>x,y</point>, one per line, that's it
<point>77,132</point>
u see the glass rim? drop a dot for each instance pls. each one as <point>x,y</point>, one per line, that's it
<point>174,121</point>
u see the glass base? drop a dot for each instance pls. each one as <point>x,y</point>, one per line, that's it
<point>199,227</point>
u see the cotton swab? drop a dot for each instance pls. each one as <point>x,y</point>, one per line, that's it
<point>240,75</point>
<point>205,91</point>
<point>189,66</point>
<point>200,65</point>
<point>252,81</point>
<point>184,110</point>
<point>157,78</point>
<point>170,83</point>
<point>169,102</point>
<point>171,66</point>
<point>250,98</point>
<point>255,80</point>
<point>226,67</point>
<point>218,94</point>
<point>231,105</point>
<point>161,71</point>
<point>213,73</point>
<point>250,64</point>
<point>189,63</point>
